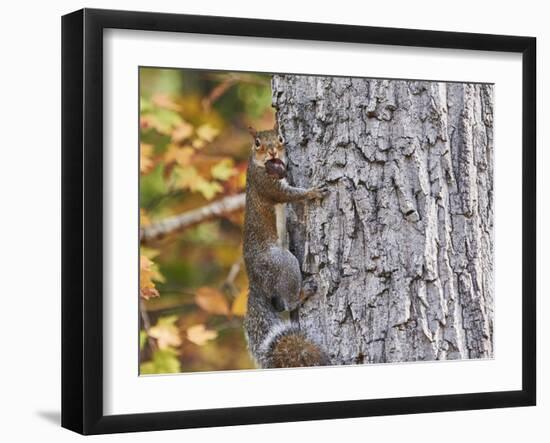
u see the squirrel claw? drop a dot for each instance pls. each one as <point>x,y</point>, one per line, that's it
<point>320,191</point>
<point>309,287</point>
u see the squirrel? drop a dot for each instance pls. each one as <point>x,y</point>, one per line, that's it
<point>275,279</point>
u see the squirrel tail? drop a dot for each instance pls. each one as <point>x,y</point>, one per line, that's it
<point>275,343</point>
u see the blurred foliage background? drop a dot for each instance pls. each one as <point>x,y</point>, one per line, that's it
<point>194,149</point>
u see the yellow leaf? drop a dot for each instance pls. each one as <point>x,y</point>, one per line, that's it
<point>199,335</point>
<point>145,160</point>
<point>242,179</point>
<point>162,120</point>
<point>207,132</point>
<point>144,219</point>
<point>207,189</point>
<point>198,143</point>
<point>181,132</point>
<point>240,303</point>
<point>186,177</point>
<point>166,332</point>
<point>211,300</point>
<point>223,170</point>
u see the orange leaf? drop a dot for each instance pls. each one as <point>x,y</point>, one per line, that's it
<point>145,160</point>
<point>147,293</point>
<point>144,219</point>
<point>199,335</point>
<point>147,273</point>
<point>211,300</point>
<point>180,155</point>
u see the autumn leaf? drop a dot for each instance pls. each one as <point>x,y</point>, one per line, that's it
<point>162,120</point>
<point>145,161</point>
<point>198,143</point>
<point>207,132</point>
<point>211,300</point>
<point>165,101</point>
<point>144,219</point>
<point>148,293</point>
<point>166,332</point>
<point>240,303</point>
<point>199,335</point>
<point>208,189</point>
<point>223,170</point>
<point>150,253</point>
<point>180,155</point>
<point>182,132</point>
<point>188,178</point>
<point>147,273</point>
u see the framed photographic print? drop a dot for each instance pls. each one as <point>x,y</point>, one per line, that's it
<point>270,221</point>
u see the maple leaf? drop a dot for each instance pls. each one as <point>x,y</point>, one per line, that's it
<point>148,293</point>
<point>162,120</point>
<point>199,335</point>
<point>223,170</point>
<point>207,189</point>
<point>165,361</point>
<point>198,143</point>
<point>207,132</point>
<point>181,156</point>
<point>166,332</point>
<point>145,161</point>
<point>144,219</point>
<point>181,132</point>
<point>211,300</point>
<point>165,101</point>
<point>188,178</point>
<point>147,273</point>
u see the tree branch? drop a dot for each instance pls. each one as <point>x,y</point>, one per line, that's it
<point>179,222</point>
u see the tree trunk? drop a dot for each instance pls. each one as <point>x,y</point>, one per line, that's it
<point>402,248</point>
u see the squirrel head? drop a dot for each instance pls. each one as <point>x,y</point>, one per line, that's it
<point>267,145</point>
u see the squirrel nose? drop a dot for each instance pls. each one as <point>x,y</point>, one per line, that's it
<point>277,304</point>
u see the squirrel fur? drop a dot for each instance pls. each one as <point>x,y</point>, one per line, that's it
<point>275,279</point>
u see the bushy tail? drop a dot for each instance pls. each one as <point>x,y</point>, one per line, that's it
<point>276,343</point>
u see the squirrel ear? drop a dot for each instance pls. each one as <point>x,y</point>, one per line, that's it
<point>252,131</point>
<point>276,127</point>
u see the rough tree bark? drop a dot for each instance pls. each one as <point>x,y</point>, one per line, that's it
<point>402,248</point>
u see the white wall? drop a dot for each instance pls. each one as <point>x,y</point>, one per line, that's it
<point>30,219</point>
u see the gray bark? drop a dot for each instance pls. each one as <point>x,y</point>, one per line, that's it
<point>402,248</point>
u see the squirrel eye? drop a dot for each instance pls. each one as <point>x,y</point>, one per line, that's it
<point>257,142</point>
<point>281,139</point>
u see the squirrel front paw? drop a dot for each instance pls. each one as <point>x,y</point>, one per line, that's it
<point>319,191</point>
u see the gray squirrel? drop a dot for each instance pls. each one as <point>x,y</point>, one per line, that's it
<point>275,279</point>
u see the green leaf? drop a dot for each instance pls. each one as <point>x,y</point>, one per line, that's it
<point>165,361</point>
<point>142,339</point>
<point>151,186</point>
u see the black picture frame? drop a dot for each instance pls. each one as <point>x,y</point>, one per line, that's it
<point>82,219</point>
